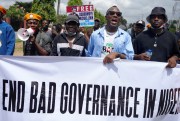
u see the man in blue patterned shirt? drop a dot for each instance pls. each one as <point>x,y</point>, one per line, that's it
<point>111,39</point>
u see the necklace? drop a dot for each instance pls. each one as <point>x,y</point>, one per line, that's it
<point>155,42</point>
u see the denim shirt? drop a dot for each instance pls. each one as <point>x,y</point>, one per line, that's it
<point>122,44</point>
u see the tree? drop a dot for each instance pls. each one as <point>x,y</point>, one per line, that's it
<point>15,11</point>
<point>26,5</point>
<point>173,25</point>
<point>16,14</point>
<point>61,19</point>
<point>100,16</point>
<point>45,8</point>
<point>75,2</point>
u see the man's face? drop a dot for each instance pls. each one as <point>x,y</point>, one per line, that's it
<point>157,20</point>
<point>32,23</point>
<point>138,28</point>
<point>45,23</point>
<point>96,24</point>
<point>71,27</point>
<point>113,17</point>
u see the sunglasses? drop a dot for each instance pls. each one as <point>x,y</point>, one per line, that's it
<point>35,23</point>
<point>113,13</point>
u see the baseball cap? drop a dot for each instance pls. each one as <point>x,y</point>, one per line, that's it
<point>72,18</point>
<point>140,22</point>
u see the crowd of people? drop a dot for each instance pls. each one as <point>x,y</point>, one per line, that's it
<point>108,42</point>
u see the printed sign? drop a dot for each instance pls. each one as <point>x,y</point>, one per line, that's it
<point>85,13</point>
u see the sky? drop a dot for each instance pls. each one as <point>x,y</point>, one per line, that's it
<point>132,10</point>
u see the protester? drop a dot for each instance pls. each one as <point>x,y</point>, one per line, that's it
<point>110,39</point>
<point>158,39</point>
<point>96,24</point>
<point>70,43</point>
<point>45,27</point>
<point>56,30</point>
<point>82,30</point>
<point>131,30</point>
<point>88,34</point>
<point>7,35</point>
<point>39,43</point>
<point>137,28</point>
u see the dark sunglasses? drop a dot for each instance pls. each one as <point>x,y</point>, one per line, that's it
<point>113,12</point>
<point>35,23</point>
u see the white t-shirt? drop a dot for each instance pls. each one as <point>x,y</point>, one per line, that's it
<point>108,43</point>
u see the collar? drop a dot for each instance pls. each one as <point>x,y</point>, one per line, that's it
<point>120,32</point>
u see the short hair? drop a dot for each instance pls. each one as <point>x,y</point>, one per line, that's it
<point>58,27</point>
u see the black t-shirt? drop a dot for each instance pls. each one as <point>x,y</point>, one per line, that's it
<point>163,46</point>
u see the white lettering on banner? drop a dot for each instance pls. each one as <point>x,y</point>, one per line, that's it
<point>60,95</point>
<point>84,8</point>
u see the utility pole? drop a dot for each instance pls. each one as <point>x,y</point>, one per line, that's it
<point>58,6</point>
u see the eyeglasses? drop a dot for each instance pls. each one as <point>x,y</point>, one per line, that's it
<point>35,23</point>
<point>113,12</point>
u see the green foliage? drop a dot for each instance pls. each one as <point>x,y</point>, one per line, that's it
<point>16,12</point>
<point>100,16</point>
<point>45,8</point>
<point>174,25</point>
<point>61,19</point>
<point>26,5</point>
<point>75,2</point>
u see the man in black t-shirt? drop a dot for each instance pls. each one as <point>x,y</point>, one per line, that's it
<point>159,40</point>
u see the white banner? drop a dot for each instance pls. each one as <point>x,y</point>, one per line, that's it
<point>78,89</point>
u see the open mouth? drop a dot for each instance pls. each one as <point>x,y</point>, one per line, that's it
<point>114,21</point>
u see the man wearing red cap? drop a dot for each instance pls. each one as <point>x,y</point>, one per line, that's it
<point>7,36</point>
